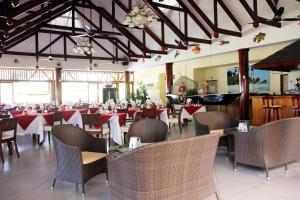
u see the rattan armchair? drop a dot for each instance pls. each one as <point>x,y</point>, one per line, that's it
<point>93,124</point>
<point>270,145</point>
<point>209,121</point>
<point>79,155</point>
<point>177,170</point>
<point>149,130</point>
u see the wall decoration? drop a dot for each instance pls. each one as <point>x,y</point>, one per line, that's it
<point>259,80</point>
<point>177,53</point>
<point>259,37</point>
<point>196,50</point>
<point>158,58</point>
<point>223,42</point>
<point>16,61</point>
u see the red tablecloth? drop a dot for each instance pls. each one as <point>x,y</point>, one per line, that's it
<point>16,112</point>
<point>131,113</point>
<point>2,106</point>
<point>68,114</point>
<point>25,120</point>
<point>49,118</point>
<point>191,109</point>
<point>93,110</point>
<point>122,118</point>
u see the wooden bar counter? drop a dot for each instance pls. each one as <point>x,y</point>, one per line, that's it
<point>285,111</point>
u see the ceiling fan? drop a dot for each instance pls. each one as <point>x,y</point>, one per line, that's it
<point>277,16</point>
<point>180,43</point>
<point>90,33</point>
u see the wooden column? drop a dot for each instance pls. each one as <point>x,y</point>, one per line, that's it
<point>169,77</point>
<point>244,83</point>
<point>127,83</point>
<point>58,98</point>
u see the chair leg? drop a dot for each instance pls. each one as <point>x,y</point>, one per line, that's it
<point>286,168</point>
<point>53,184</point>
<point>83,192</point>
<point>267,174</point>
<point>16,148</point>
<point>234,165</point>
<point>1,153</point>
<point>49,137</point>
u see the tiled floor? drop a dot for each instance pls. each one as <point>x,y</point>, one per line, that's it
<point>29,178</point>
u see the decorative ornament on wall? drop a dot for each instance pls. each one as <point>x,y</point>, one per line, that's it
<point>196,50</point>
<point>16,61</point>
<point>95,65</point>
<point>158,58</point>
<point>177,53</point>
<point>259,37</point>
<point>223,42</point>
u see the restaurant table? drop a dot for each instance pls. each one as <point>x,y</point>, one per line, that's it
<point>113,122</point>
<point>116,151</point>
<point>188,111</point>
<point>162,113</point>
<point>72,117</point>
<point>33,124</point>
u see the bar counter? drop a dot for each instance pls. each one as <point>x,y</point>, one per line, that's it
<point>285,111</point>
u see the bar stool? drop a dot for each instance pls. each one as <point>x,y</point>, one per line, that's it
<point>296,105</point>
<point>270,109</point>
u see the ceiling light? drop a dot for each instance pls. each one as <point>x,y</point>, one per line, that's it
<point>139,16</point>
<point>83,46</point>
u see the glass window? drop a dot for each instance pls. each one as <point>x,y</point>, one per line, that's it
<point>93,93</point>
<point>122,92</point>
<point>6,93</point>
<point>32,92</point>
<point>74,92</point>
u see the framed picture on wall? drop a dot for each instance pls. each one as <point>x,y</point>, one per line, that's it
<point>259,80</point>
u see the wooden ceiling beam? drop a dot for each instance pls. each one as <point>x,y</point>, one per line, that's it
<point>215,28</point>
<point>272,6</point>
<point>230,15</point>
<point>166,20</point>
<point>191,14</point>
<point>169,7</point>
<point>257,18</point>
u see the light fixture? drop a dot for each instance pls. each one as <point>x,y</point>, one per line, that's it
<point>83,46</point>
<point>108,82</point>
<point>139,16</point>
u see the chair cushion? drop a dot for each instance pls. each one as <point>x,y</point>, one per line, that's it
<point>89,157</point>
<point>6,137</point>
<point>217,131</point>
<point>47,128</point>
<point>173,120</point>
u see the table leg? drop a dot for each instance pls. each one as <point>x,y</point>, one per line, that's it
<point>10,148</point>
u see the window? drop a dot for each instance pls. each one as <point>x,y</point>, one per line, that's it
<point>33,92</point>
<point>74,92</point>
<point>6,93</point>
<point>93,93</point>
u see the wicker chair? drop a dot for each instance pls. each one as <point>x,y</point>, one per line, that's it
<point>94,123</point>
<point>149,113</point>
<point>79,155</point>
<point>149,130</point>
<point>177,170</point>
<point>8,125</point>
<point>205,122</point>
<point>270,145</point>
<point>57,117</point>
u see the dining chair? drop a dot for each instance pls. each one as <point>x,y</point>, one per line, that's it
<point>149,113</point>
<point>93,124</point>
<point>57,119</point>
<point>8,125</point>
<point>79,155</point>
<point>149,130</point>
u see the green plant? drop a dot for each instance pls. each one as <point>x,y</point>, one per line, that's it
<point>140,94</point>
<point>191,92</point>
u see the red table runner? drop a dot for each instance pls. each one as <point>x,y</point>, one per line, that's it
<point>49,118</point>
<point>191,109</point>
<point>68,114</point>
<point>25,120</point>
<point>93,110</point>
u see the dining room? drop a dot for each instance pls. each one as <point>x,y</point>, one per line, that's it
<point>149,99</point>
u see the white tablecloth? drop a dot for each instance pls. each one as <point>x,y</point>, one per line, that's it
<point>115,130</point>
<point>186,115</point>
<point>74,119</point>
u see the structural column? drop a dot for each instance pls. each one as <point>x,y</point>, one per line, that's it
<point>58,98</point>
<point>244,83</point>
<point>127,83</point>
<point>169,77</point>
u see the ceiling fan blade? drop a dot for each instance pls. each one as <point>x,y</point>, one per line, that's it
<point>278,13</point>
<point>291,19</point>
<point>87,28</point>
<point>82,35</point>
